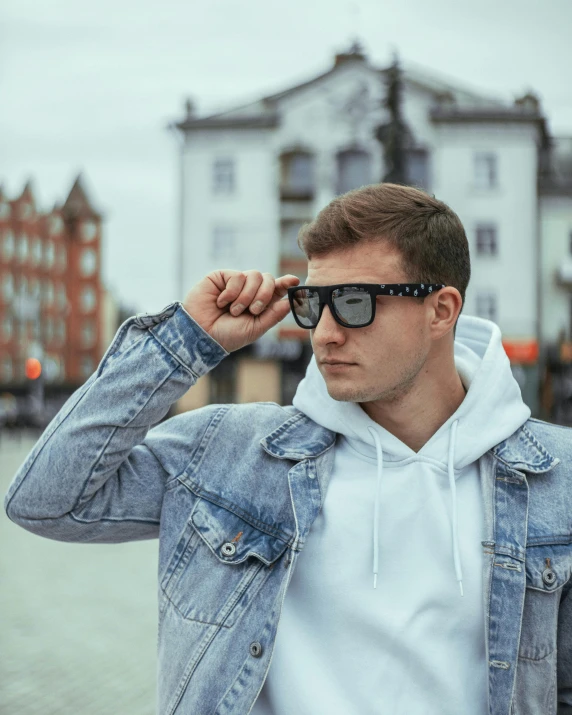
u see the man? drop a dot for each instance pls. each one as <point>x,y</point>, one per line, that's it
<point>405,521</point>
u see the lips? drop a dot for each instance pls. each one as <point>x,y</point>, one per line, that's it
<point>335,362</point>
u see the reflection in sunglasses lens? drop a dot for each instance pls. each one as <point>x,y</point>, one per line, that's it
<point>352,305</point>
<point>307,307</point>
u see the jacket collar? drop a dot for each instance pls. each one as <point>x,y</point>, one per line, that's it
<point>302,438</point>
<point>298,438</point>
<point>523,451</point>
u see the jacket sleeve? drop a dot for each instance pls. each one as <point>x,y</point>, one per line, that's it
<point>98,473</point>
<point>564,653</point>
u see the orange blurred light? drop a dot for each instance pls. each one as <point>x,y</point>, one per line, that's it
<point>33,368</point>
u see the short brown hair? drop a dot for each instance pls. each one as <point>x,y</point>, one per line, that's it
<point>428,234</point>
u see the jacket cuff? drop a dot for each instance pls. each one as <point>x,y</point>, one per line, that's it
<point>183,337</point>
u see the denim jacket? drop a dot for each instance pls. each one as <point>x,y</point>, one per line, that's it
<point>231,491</point>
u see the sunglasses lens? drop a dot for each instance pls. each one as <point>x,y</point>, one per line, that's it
<point>352,305</point>
<point>307,307</point>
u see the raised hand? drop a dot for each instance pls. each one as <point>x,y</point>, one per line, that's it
<point>237,307</point>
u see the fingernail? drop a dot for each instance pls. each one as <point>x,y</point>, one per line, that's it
<point>236,309</point>
<point>257,307</point>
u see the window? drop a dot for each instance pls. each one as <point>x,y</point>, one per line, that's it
<point>86,366</point>
<point>487,305</point>
<point>487,244</point>
<point>62,258</point>
<point>56,224</point>
<point>223,243</point>
<point>87,299</point>
<point>37,251</point>
<point>23,247</point>
<point>486,170</point>
<point>8,246</point>
<point>88,231</point>
<point>88,262</point>
<point>87,334</point>
<point>297,175</point>
<point>34,288</point>
<point>8,287</point>
<point>417,168</point>
<point>52,367</point>
<point>223,176</point>
<point>354,170</point>
<point>48,292</point>
<point>289,239</point>
<point>50,254</point>
<point>4,210</point>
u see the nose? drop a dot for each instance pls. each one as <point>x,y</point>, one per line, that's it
<point>328,330</point>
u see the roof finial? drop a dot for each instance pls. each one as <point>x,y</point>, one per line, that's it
<point>355,52</point>
<point>189,108</point>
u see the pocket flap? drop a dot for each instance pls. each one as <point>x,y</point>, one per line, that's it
<point>230,538</point>
<point>544,570</point>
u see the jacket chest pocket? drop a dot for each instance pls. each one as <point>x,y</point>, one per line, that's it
<point>547,570</point>
<point>218,565</point>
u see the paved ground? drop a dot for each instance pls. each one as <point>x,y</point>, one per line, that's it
<point>78,625</point>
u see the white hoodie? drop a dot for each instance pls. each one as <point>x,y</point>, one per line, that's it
<point>408,639</point>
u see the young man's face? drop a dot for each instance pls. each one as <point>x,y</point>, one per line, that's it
<point>384,357</point>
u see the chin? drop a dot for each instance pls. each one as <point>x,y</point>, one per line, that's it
<point>345,393</point>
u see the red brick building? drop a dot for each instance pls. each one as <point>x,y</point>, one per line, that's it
<point>50,288</point>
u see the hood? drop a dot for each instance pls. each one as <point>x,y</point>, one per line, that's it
<point>490,413</point>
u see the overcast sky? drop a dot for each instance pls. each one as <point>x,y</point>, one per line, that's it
<point>91,86</point>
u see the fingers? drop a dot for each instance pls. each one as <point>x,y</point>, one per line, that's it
<point>282,284</point>
<point>241,289</point>
<point>276,311</point>
<point>234,282</point>
<point>252,290</point>
<point>270,290</point>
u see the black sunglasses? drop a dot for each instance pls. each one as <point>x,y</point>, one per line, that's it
<point>351,304</point>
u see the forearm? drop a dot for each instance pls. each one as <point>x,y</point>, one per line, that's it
<point>144,371</point>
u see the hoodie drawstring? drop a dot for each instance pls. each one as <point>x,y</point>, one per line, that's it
<point>376,505</point>
<point>453,488</point>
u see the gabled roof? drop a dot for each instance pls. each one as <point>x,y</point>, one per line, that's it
<point>77,204</point>
<point>265,111</point>
<point>28,193</point>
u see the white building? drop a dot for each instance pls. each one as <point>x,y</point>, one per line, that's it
<point>556,231</point>
<point>254,174</point>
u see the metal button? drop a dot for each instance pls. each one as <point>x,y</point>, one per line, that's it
<point>549,577</point>
<point>228,549</point>
<point>256,649</point>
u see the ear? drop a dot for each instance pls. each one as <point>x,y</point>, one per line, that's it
<point>446,306</point>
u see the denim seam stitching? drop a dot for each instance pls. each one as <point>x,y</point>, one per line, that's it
<point>176,357</point>
<point>48,434</point>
